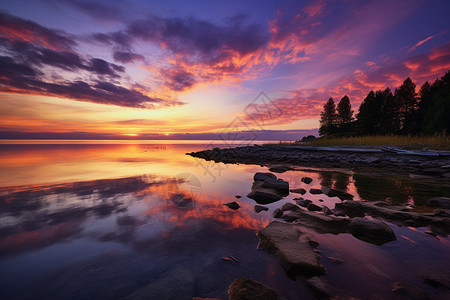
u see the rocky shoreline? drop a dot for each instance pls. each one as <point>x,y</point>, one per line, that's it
<point>289,236</point>
<point>283,158</point>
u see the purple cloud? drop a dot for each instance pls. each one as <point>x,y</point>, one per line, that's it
<point>126,56</point>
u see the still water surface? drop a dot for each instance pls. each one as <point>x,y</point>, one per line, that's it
<point>104,221</point>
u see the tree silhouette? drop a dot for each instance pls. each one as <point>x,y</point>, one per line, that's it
<point>328,118</point>
<point>344,113</point>
<point>406,98</point>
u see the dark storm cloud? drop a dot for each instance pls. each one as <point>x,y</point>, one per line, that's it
<point>178,79</point>
<point>126,56</point>
<point>18,29</point>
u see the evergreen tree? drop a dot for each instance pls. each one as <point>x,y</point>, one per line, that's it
<point>406,98</point>
<point>369,115</point>
<point>344,113</point>
<point>328,118</point>
<point>389,120</point>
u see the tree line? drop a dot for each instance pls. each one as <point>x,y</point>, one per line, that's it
<point>383,112</point>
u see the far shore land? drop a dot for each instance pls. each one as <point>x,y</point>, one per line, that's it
<point>362,159</point>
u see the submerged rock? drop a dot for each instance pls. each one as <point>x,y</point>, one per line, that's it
<point>232,205</point>
<point>306,180</point>
<point>259,208</point>
<point>313,207</point>
<point>302,202</point>
<point>280,168</point>
<point>245,288</point>
<point>315,191</point>
<point>372,231</point>
<point>298,191</point>
<point>292,247</point>
<point>277,213</point>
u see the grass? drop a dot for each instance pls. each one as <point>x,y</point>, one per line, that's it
<point>435,142</point>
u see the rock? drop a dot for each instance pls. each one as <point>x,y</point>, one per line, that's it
<point>259,176</point>
<point>263,197</point>
<point>289,206</point>
<point>372,231</point>
<point>298,191</point>
<point>351,208</point>
<point>238,197</point>
<point>249,289</point>
<point>409,290</point>
<point>319,222</point>
<point>278,184</point>
<point>232,205</point>
<point>337,193</point>
<point>319,288</point>
<point>313,207</point>
<point>279,169</point>
<point>315,191</point>
<point>307,180</point>
<point>277,213</point>
<point>200,298</point>
<point>292,247</point>
<point>303,203</point>
<point>181,200</point>
<point>443,202</point>
<point>259,208</point>
<point>326,210</point>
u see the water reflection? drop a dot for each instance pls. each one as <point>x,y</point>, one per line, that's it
<point>81,221</point>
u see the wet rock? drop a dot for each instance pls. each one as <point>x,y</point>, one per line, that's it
<point>303,202</point>
<point>245,288</point>
<point>279,169</point>
<point>307,180</point>
<point>237,196</point>
<point>277,213</point>
<point>351,208</point>
<point>181,200</point>
<point>259,176</point>
<point>232,205</point>
<point>264,197</point>
<point>289,206</point>
<point>320,289</point>
<point>278,184</point>
<point>443,202</point>
<point>409,290</point>
<point>372,231</point>
<point>336,193</point>
<point>259,208</point>
<point>292,247</point>
<point>298,191</point>
<point>326,210</point>
<point>319,222</point>
<point>315,191</point>
<point>313,207</point>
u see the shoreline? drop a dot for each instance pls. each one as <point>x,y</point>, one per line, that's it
<point>362,160</point>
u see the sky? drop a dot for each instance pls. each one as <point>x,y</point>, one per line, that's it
<point>198,69</point>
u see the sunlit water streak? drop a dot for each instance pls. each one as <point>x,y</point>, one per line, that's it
<point>86,220</point>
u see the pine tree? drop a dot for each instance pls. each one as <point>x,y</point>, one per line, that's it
<point>344,112</point>
<point>406,98</point>
<point>328,118</point>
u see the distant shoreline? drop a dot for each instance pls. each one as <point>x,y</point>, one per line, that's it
<point>283,158</point>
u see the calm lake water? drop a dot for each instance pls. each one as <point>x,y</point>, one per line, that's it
<point>104,221</point>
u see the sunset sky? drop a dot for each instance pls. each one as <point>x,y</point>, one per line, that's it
<point>163,69</point>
